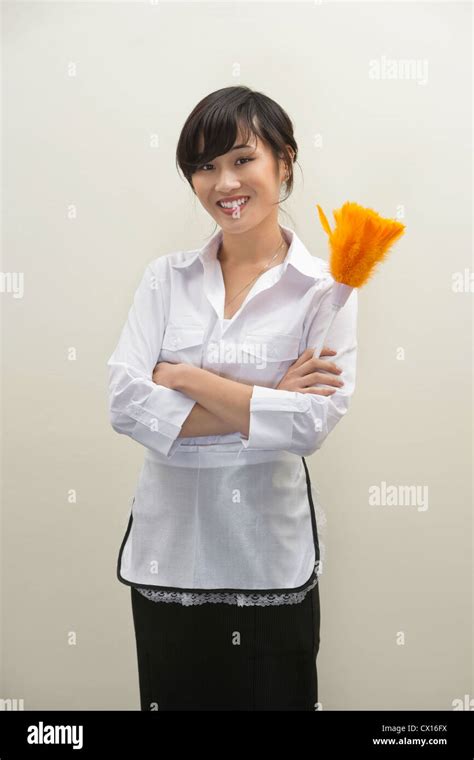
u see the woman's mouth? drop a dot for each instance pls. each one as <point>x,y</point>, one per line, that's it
<point>230,207</point>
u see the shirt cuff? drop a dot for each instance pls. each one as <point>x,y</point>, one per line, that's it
<point>160,419</point>
<point>272,417</point>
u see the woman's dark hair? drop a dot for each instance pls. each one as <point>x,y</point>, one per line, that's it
<point>217,118</point>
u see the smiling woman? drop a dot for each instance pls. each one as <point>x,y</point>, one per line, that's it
<point>214,375</point>
<point>237,150</point>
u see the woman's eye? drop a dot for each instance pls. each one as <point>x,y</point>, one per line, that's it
<point>239,159</point>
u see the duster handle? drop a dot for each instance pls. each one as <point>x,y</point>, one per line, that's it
<point>340,294</point>
<point>319,346</point>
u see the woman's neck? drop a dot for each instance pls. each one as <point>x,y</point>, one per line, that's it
<point>253,248</point>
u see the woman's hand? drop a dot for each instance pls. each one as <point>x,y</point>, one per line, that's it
<point>307,371</point>
<point>166,373</point>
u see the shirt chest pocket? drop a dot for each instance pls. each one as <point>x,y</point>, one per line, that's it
<point>264,358</point>
<point>183,344</point>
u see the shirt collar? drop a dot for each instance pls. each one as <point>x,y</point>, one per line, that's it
<point>298,255</point>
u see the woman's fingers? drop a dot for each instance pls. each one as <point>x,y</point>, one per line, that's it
<point>328,351</point>
<point>307,371</point>
<point>315,378</point>
<point>319,391</point>
<point>316,365</point>
<point>308,355</point>
<point>321,377</point>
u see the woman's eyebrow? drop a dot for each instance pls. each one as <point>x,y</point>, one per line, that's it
<point>237,147</point>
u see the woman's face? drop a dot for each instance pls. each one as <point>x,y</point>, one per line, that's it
<point>242,173</point>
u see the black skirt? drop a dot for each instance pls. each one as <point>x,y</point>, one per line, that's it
<point>227,657</point>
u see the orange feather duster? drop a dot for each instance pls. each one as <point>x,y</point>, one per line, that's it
<point>359,241</point>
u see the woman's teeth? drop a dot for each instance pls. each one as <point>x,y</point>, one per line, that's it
<point>233,204</point>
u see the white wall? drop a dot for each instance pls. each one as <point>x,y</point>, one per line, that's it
<point>81,139</point>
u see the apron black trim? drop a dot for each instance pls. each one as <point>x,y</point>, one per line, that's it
<point>231,590</point>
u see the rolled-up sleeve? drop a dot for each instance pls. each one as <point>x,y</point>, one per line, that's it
<point>148,413</point>
<point>300,422</point>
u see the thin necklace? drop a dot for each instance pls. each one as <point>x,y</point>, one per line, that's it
<point>258,275</point>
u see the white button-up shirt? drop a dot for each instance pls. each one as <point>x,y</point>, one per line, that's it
<point>227,517</point>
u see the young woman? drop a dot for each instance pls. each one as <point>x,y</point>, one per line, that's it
<point>214,375</point>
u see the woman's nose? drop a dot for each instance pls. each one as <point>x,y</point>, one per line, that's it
<point>226,182</point>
